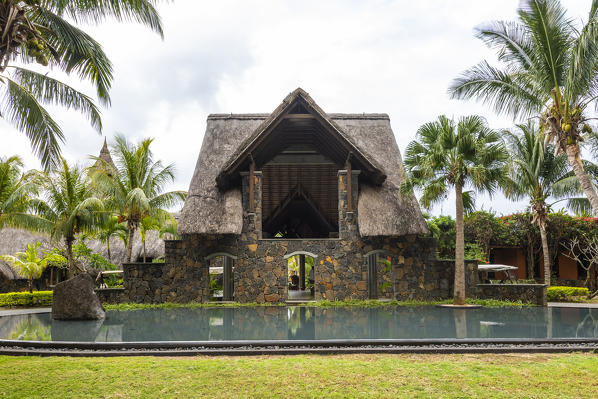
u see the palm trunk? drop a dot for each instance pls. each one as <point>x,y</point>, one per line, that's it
<point>545,254</point>
<point>108,249</point>
<point>69,255</point>
<point>30,285</point>
<point>144,253</point>
<point>459,286</point>
<point>131,226</point>
<point>574,159</point>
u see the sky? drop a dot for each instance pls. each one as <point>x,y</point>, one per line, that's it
<point>394,57</point>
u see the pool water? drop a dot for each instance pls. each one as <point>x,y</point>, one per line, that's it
<point>307,323</point>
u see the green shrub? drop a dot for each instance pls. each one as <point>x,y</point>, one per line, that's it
<point>37,298</point>
<point>565,293</point>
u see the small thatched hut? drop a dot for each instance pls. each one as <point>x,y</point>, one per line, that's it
<point>300,182</point>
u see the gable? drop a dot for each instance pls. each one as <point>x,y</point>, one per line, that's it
<point>298,121</point>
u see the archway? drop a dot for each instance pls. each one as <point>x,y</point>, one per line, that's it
<point>301,275</point>
<point>221,272</point>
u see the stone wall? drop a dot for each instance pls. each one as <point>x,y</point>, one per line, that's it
<point>528,293</point>
<point>112,295</point>
<point>19,285</point>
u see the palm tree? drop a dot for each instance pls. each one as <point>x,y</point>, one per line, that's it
<point>39,32</point>
<point>16,188</point>
<point>28,264</point>
<point>69,207</point>
<point>108,228</point>
<point>134,189</point>
<point>446,154</point>
<point>550,71</point>
<point>536,172</point>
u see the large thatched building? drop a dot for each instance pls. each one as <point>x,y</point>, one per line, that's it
<point>297,183</point>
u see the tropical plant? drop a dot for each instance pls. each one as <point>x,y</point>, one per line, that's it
<point>537,173</point>
<point>108,228</point>
<point>68,207</point>
<point>15,190</point>
<point>550,71</point>
<point>448,154</point>
<point>42,32</point>
<point>134,187</point>
<point>169,230</point>
<point>29,264</point>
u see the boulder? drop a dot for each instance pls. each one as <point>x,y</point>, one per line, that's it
<point>75,299</point>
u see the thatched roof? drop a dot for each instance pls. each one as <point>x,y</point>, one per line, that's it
<point>382,211</point>
<point>16,240</point>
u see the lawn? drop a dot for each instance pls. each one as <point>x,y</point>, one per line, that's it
<point>347,376</point>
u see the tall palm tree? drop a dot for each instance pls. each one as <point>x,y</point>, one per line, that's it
<point>15,190</point>
<point>550,70</point>
<point>135,188</point>
<point>446,154</point>
<point>536,172</point>
<point>68,207</point>
<point>41,32</point>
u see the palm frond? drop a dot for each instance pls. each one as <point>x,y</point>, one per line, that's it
<point>21,109</point>
<point>52,91</point>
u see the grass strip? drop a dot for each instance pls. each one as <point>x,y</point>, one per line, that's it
<point>322,304</point>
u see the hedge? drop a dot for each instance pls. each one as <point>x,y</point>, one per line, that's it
<point>37,298</point>
<point>565,293</point>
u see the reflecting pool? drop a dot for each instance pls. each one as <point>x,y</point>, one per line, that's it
<point>307,323</point>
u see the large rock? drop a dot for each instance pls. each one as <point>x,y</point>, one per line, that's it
<point>75,299</point>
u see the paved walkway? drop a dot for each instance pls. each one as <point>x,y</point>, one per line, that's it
<point>10,312</point>
<point>572,305</point>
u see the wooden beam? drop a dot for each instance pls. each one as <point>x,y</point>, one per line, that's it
<point>251,184</point>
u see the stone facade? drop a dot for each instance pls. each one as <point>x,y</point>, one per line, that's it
<point>260,267</point>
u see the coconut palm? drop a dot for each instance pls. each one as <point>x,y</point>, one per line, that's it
<point>16,188</point>
<point>43,33</point>
<point>68,207</point>
<point>536,172</point>
<point>446,154</point>
<point>550,70</point>
<point>134,187</point>
<point>28,264</point>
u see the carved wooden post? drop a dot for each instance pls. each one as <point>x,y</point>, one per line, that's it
<point>251,185</point>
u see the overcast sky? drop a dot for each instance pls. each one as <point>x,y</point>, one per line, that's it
<point>395,57</point>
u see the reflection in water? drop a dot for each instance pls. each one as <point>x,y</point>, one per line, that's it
<point>305,323</point>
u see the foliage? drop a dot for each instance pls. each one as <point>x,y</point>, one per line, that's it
<point>85,255</point>
<point>15,190</point>
<point>27,299</point>
<point>443,229</point>
<point>474,251</point>
<point>43,33</point>
<point>28,264</point>
<point>565,294</point>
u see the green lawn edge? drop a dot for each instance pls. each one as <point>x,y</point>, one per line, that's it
<point>493,303</point>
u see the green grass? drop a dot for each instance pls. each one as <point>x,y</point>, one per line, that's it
<point>305,376</point>
<point>323,304</point>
